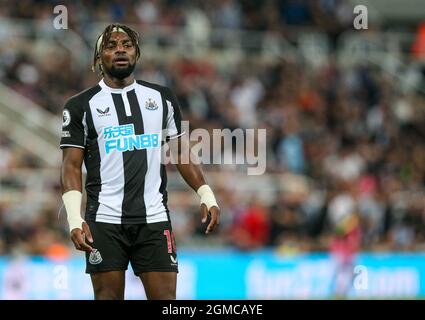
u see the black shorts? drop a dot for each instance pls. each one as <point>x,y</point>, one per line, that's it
<point>148,247</point>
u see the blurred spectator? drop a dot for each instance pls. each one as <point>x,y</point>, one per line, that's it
<point>345,244</point>
<point>251,228</point>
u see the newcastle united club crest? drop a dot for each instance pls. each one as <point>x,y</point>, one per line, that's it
<point>151,104</point>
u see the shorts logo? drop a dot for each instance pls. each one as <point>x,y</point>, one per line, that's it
<point>66,134</point>
<point>151,105</point>
<point>66,118</point>
<point>95,257</point>
<point>174,261</point>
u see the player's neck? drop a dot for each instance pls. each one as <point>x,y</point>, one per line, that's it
<point>118,83</point>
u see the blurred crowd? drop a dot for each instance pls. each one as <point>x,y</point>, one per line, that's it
<point>331,16</point>
<point>343,142</point>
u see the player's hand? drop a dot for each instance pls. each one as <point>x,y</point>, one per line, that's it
<point>214,213</point>
<point>78,238</point>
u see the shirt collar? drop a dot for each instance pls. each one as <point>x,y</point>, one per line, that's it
<point>104,86</point>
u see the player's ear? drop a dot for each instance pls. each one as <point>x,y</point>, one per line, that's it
<point>99,63</point>
<point>97,66</point>
<point>138,55</point>
<point>138,51</point>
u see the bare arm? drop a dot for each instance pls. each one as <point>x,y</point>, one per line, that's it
<point>191,172</point>
<point>193,175</point>
<point>71,179</point>
<point>71,176</point>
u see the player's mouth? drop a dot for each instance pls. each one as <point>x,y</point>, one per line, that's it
<point>121,61</point>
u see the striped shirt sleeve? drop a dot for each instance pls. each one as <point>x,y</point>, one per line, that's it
<point>174,117</point>
<point>72,126</point>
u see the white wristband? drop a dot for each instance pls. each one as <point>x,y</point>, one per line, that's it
<point>72,202</point>
<point>207,196</point>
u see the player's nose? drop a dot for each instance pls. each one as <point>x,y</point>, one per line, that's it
<point>121,48</point>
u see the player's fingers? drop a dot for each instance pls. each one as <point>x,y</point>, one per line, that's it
<point>80,243</point>
<point>87,232</point>
<point>212,223</point>
<point>76,245</point>
<point>74,240</point>
<point>85,247</point>
<point>204,213</point>
<point>215,211</point>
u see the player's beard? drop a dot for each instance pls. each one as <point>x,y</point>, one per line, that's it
<point>120,72</point>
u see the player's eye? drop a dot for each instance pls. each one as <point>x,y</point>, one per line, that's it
<point>110,45</point>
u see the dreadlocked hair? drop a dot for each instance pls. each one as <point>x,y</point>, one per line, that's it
<point>106,34</point>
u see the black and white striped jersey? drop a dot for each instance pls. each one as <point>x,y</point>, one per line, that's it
<point>121,131</point>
